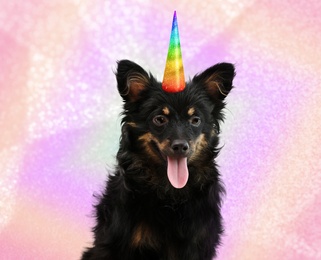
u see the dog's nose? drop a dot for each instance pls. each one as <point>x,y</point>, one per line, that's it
<point>180,147</point>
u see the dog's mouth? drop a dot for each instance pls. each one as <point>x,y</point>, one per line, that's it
<point>177,171</point>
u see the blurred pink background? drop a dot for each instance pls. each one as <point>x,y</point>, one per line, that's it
<point>59,116</point>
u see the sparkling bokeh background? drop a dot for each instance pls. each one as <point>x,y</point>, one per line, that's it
<point>59,116</point>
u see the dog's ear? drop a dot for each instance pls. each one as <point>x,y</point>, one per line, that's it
<point>132,79</point>
<point>217,80</point>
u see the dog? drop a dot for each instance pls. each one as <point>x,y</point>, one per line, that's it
<point>163,200</point>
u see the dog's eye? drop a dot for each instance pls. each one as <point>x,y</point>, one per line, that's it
<point>195,121</point>
<point>160,120</point>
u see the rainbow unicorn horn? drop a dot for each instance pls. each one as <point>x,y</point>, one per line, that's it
<point>174,79</point>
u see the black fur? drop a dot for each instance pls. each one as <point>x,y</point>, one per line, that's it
<point>140,214</point>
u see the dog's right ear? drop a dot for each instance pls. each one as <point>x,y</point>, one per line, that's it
<point>132,80</point>
<point>217,80</point>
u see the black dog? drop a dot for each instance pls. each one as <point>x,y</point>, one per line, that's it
<point>164,199</point>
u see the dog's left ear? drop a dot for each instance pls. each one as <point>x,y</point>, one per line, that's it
<point>217,80</point>
<point>132,79</point>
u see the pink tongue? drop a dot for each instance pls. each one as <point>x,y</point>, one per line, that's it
<point>177,171</point>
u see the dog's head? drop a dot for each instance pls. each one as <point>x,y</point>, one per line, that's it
<point>172,132</point>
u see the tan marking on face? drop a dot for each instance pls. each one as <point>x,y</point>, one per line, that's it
<point>198,147</point>
<point>146,139</point>
<point>143,236</point>
<point>132,124</point>
<point>162,145</point>
<point>191,111</point>
<point>166,111</point>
